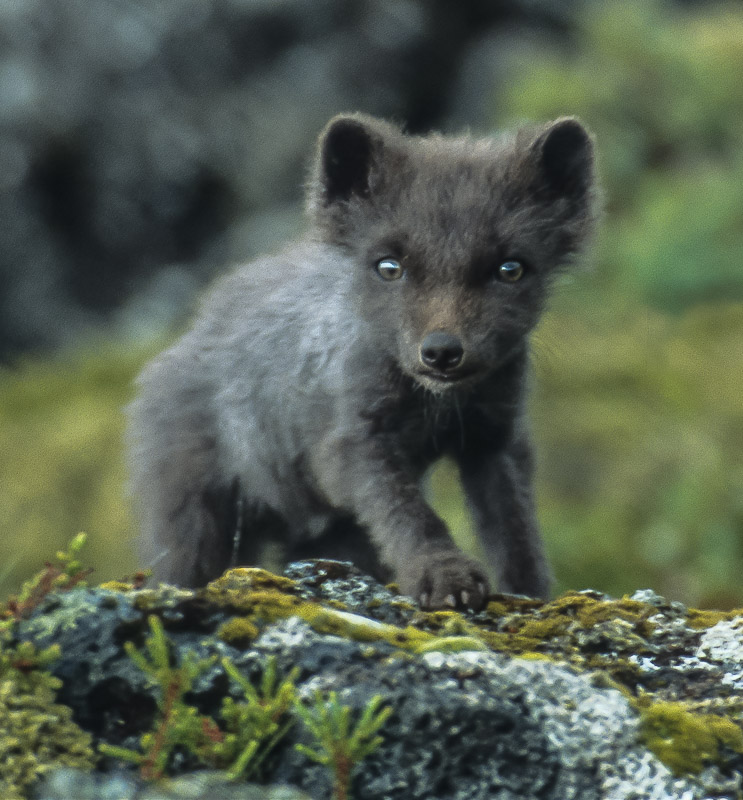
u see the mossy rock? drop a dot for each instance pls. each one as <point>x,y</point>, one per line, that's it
<point>522,682</point>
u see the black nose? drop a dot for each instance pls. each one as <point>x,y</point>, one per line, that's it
<point>441,351</point>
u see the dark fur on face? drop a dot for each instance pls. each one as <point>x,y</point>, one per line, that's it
<point>324,381</point>
<point>451,211</point>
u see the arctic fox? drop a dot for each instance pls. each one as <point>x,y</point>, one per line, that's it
<point>317,386</point>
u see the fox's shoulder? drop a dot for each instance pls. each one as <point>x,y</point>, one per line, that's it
<point>300,271</point>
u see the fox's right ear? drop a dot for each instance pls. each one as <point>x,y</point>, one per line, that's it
<point>346,154</point>
<point>350,156</point>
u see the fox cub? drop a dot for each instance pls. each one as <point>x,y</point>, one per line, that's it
<point>316,386</point>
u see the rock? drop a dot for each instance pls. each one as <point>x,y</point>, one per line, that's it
<point>583,697</point>
<point>72,784</point>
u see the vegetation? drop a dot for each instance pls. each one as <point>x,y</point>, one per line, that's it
<point>667,111</point>
<point>36,733</point>
<point>61,457</point>
<point>339,745</point>
<point>250,728</point>
<point>179,725</point>
<point>257,724</point>
<point>689,731</point>
<point>687,740</point>
<point>66,574</point>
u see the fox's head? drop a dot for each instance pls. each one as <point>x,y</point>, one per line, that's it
<point>454,239</point>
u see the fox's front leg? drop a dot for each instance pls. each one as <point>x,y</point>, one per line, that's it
<point>385,496</point>
<point>499,489</point>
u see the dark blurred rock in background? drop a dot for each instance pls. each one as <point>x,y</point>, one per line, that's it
<point>143,145</point>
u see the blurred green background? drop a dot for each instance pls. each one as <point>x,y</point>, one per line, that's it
<point>638,367</point>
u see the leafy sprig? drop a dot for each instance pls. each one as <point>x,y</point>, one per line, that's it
<point>250,728</point>
<point>340,746</point>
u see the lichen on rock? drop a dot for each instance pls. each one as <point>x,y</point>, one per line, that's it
<point>582,697</point>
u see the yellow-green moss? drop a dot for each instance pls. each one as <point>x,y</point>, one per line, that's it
<point>36,734</point>
<point>254,578</point>
<point>403,605</point>
<point>519,626</point>
<point>687,741</point>
<point>589,610</point>
<point>699,619</point>
<point>262,599</point>
<point>238,631</point>
<point>336,604</point>
<point>449,622</point>
<point>452,644</point>
<point>247,588</point>
<point>165,596</point>
<point>507,604</point>
<point>528,626</point>
<point>117,586</point>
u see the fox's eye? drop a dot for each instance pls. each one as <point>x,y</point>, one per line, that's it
<point>511,271</point>
<point>390,269</point>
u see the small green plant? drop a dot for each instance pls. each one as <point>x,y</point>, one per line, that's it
<point>255,727</point>
<point>67,573</point>
<point>179,724</point>
<point>250,729</point>
<point>339,747</point>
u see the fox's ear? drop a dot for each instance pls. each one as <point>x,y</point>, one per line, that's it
<point>564,155</point>
<point>350,149</point>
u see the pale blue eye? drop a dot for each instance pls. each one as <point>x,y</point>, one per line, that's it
<point>390,269</point>
<point>511,271</point>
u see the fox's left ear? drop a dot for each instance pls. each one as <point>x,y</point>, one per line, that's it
<point>565,159</point>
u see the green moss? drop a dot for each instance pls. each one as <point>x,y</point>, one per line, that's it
<point>253,578</point>
<point>452,644</point>
<point>561,627</point>
<point>238,631</point>
<point>116,586</point>
<point>703,618</point>
<point>262,599</point>
<point>36,733</point>
<point>520,626</point>
<point>685,740</point>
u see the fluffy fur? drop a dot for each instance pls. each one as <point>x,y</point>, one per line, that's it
<point>310,395</point>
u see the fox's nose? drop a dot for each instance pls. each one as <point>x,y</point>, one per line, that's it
<point>442,351</point>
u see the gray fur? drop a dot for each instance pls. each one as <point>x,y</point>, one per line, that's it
<point>297,406</point>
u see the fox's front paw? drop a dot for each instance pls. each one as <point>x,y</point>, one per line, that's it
<point>445,579</point>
